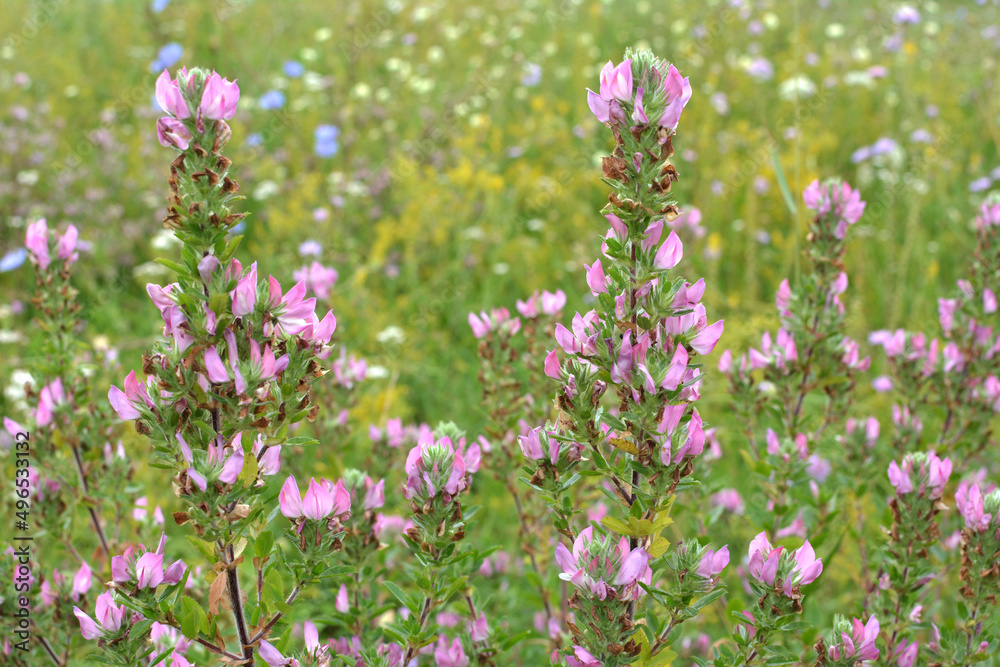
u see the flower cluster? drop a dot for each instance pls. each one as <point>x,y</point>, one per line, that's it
<point>217,101</point>
<point>139,569</point>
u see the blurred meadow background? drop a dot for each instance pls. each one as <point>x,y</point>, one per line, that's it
<point>441,158</point>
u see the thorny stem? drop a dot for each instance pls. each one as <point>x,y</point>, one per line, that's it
<point>236,597</point>
<point>277,616</point>
<point>212,648</point>
<point>48,649</point>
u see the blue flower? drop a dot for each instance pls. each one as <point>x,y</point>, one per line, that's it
<point>167,57</point>
<point>326,140</point>
<point>13,259</point>
<point>980,184</point>
<point>254,139</point>
<point>272,99</point>
<point>160,5</point>
<point>532,75</point>
<point>293,68</point>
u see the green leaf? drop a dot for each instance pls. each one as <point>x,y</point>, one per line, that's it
<point>398,593</point>
<point>249,473</point>
<point>204,548</point>
<point>173,266</point>
<point>234,243</point>
<point>618,526</point>
<point>192,618</point>
<point>262,545</point>
<point>302,441</point>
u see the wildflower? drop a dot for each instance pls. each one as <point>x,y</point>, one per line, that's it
<point>272,99</point>
<point>37,243</point>
<point>108,618</point>
<point>435,468</point>
<point>600,566</point>
<point>326,140</point>
<point>169,97</point>
<point>173,133</point>
<point>969,500</point>
<point>125,402</point>
<point>322,499</point>
<point>219,98</point>
<point>860,643</point>
<point>713,563</point>
<point>452,655</point>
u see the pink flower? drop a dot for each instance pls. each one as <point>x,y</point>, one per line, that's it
<point>219,98</point>
<point>273,657</point>
<point>989,301</point>
<point>639,115</point>
<point>37,241</point>
<point>807,568</point>
<point>616,82</point>
<point>764,559</point>
<point>530,445</point>
<point>783,297</point>
<point>323,500</point>
<point>67,245</point>
<point>907,654</point>
<point>479,630</point>
<point>598,565</point>
<point>293,312</point>
<point>125,402</point>
<point>81,582</point>
<point>583,339</point>
<point>170,98</point>
<point>900,479</point>
<point>375,495</point>
<point>596,279</point>
<point>969,500</point>
<point>149,570</point>
<point>109,617</point>
<point>670,253</point>
<point>318,278</point>
<point>450,656</point>
<point>618,227</point>
<point>581,658</point>
<point>552,367</point>
<point>706,339</point>
<point>342,603</point>
<point>713,563</point>
<point>728,499</point>
<point>245,294</point>
<point>213,364</point>
<point>173,133</point>
<point>289,499</point>
<point>678,92</point>
<point>859,645</point>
